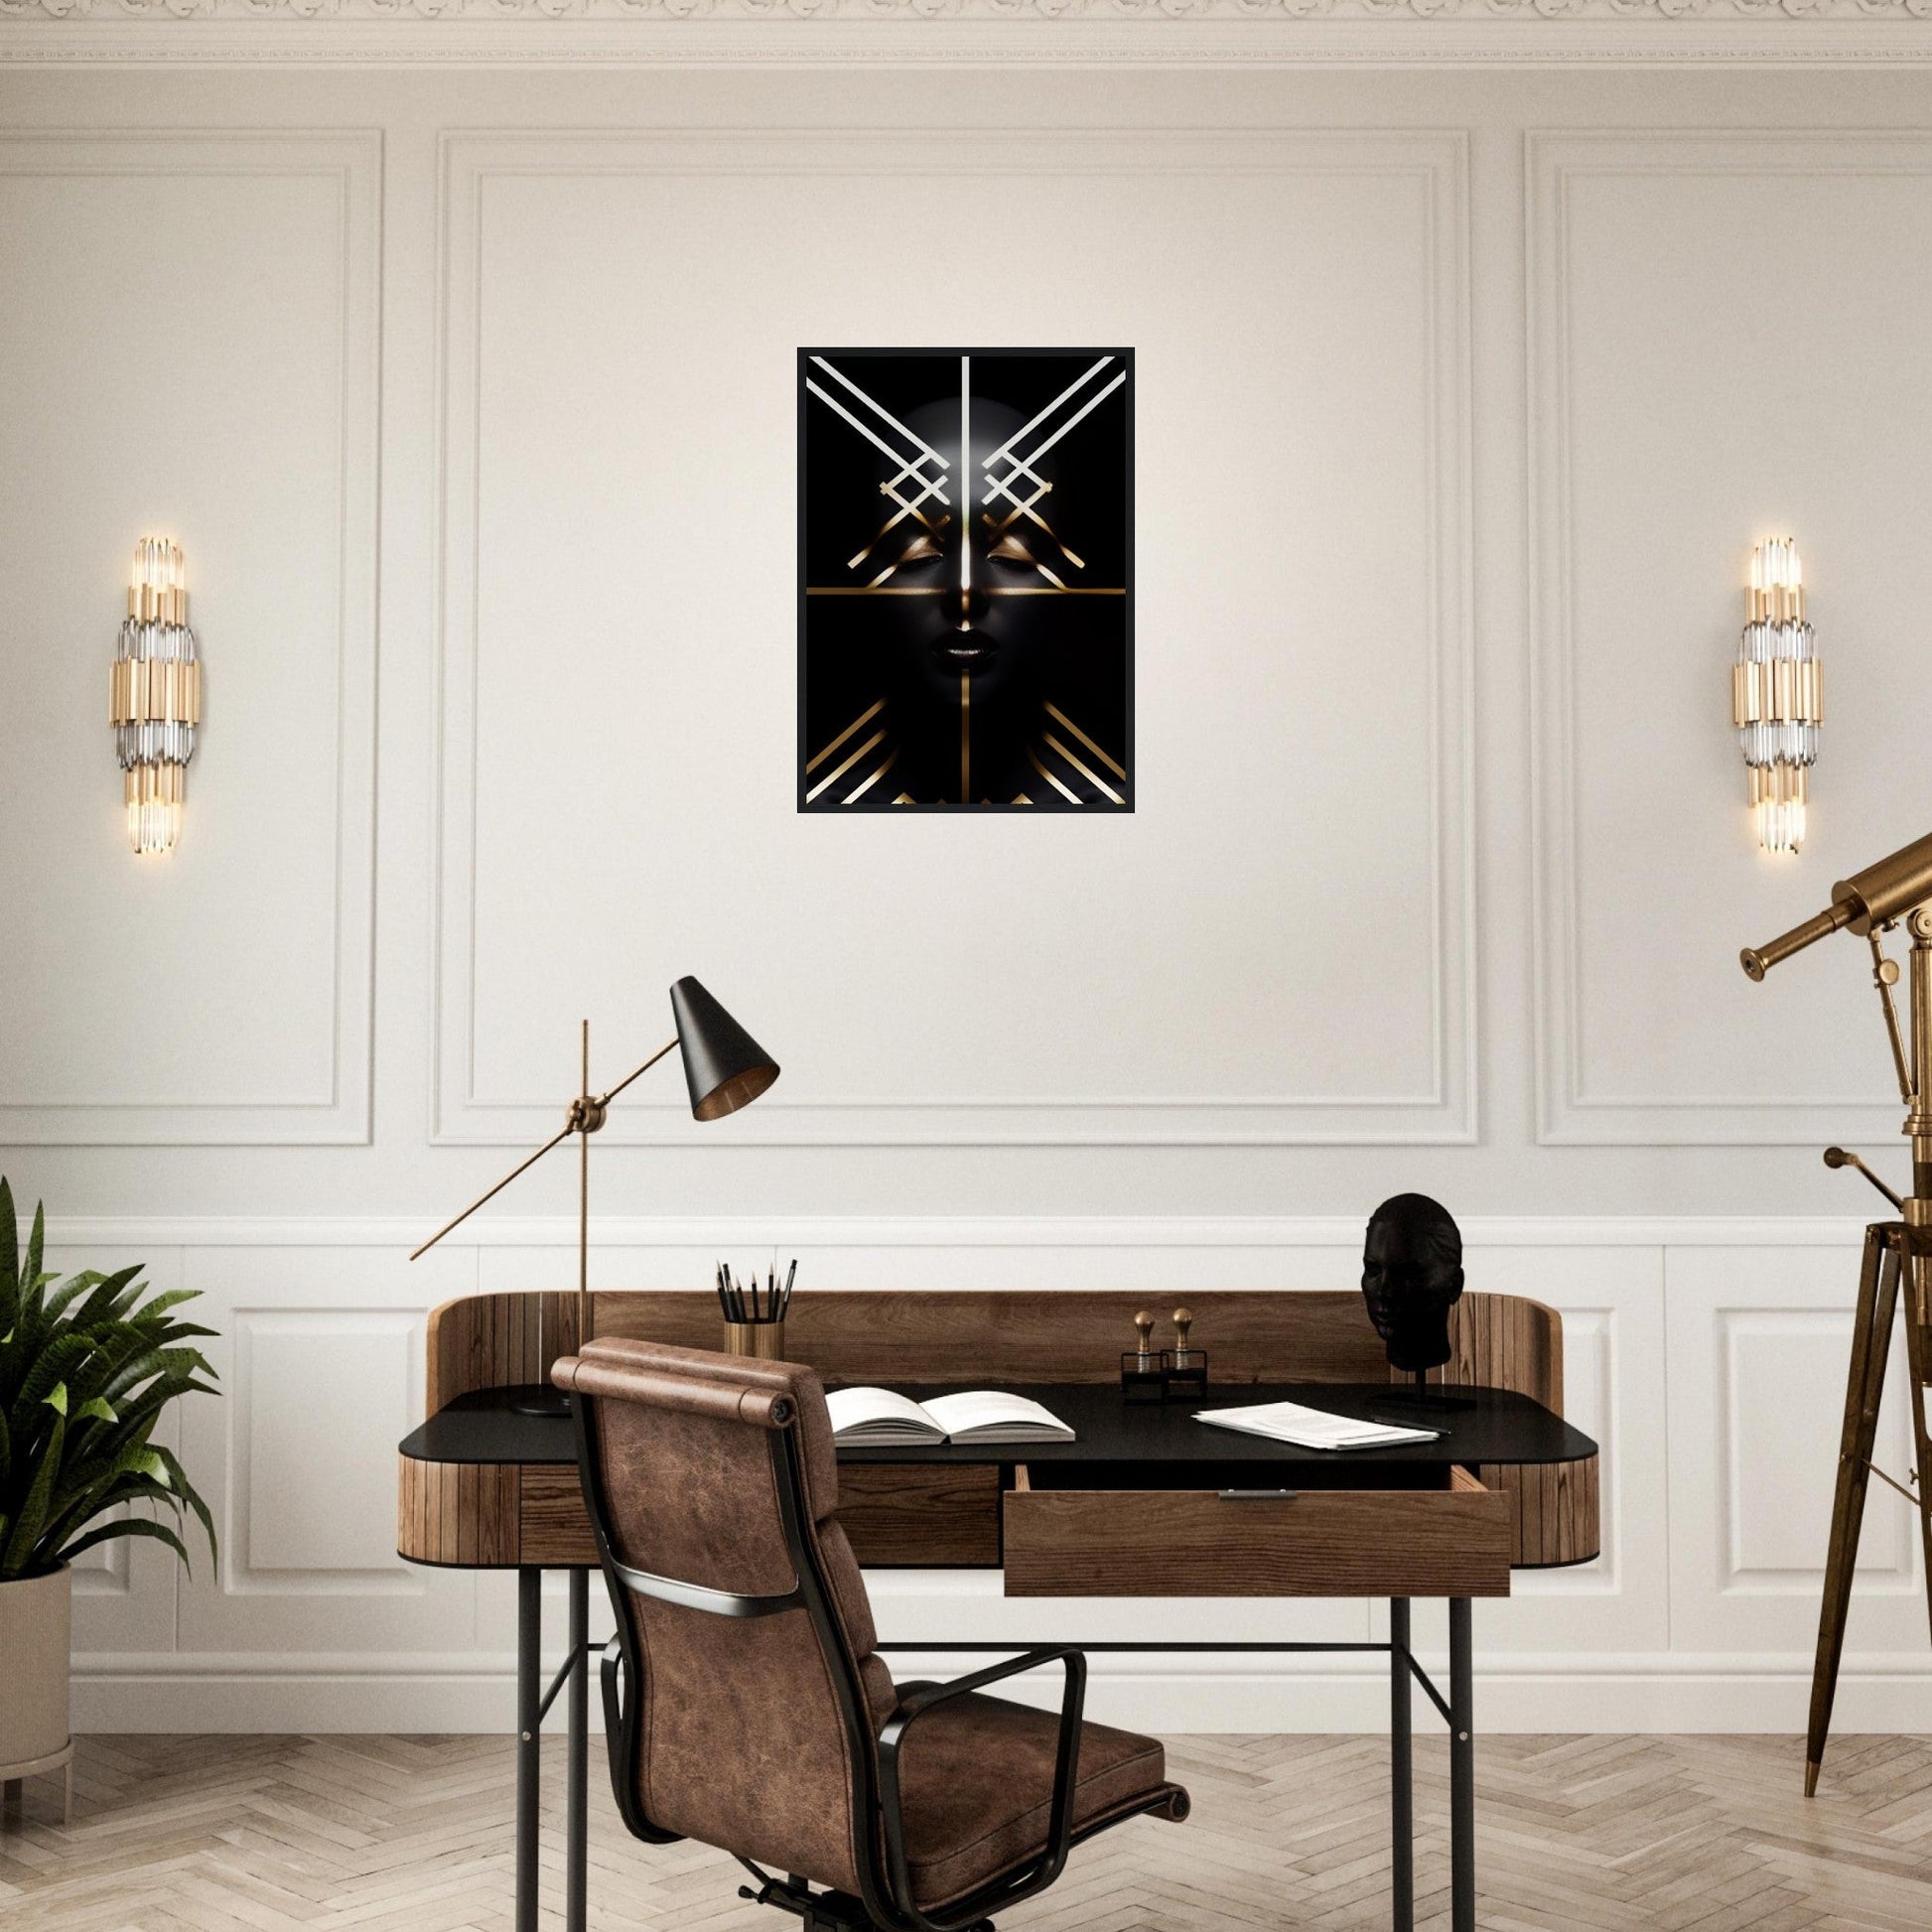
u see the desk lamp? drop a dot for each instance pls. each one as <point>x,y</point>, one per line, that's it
<point>724,1067</point>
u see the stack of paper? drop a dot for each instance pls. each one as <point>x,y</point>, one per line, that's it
<point>1289,1422</point>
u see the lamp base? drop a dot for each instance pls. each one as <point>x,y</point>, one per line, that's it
<point>539,1399</point>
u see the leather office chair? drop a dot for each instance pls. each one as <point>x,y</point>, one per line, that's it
<point>744,1703</point>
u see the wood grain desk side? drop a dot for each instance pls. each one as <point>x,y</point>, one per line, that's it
<point>486,1515</point>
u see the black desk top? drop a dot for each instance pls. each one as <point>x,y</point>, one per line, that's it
<point>1477,1424</point>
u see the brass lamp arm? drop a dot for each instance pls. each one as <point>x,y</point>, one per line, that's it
<point>585,1113</point>
<point>563,1134</point>
<point>645,1068</point>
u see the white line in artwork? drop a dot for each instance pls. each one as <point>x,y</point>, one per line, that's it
<point>1086,409</point>
<point>965,470</point>
<point>877,441</point>
<point>1028,428</point>
<point>918,442</point>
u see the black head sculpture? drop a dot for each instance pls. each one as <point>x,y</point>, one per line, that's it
<point>1412,1276</point>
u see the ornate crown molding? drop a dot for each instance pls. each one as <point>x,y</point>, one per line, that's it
<point>1157,35</point>
<point>868,11</point>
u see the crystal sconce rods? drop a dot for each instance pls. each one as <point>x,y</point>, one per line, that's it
<point>1777,695</point>
<point>156,701</point>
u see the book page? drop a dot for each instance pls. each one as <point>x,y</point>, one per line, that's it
<point>991,1408</point>
<point>860,1407</point>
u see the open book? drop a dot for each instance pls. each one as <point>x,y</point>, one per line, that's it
<point>880,1418</point>
<point>1289,1422</point>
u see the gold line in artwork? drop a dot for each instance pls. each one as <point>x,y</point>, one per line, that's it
<point>880,578</point>
<point>1033,758</point>
<point>1060,717</point>
<point>1092,777</point>
<point>832,777</point>
<point>965,738</point>
<point>1026,511</point>
<point>851,797</point>
<point>859,723</point>
<point>906,799</point>
<point>1020,798</point>
<point>1018,510</point>
<point>1032,515</point>
<point>877,590</point>
<point>1047,589</point>
<point>905,511</point>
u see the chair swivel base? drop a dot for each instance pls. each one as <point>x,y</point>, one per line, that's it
<point>821,1911</point>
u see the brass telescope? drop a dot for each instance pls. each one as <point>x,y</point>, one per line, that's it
<point>1874,896</point>
<point>1897,1254</point>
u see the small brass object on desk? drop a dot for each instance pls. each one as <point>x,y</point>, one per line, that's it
<point>1141,1377</point>
<point>1184,1367</point>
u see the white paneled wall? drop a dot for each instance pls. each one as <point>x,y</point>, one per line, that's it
<point>191,338</point>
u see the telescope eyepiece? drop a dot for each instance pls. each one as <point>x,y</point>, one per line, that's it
<point>1752,962</point>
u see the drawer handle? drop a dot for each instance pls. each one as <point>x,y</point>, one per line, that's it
<point>1259,1495</point>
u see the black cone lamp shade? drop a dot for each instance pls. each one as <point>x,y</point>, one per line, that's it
<point>724,1067</point>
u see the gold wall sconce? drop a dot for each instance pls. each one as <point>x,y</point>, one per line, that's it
<point>156,701</point>
<point>1777,695</point>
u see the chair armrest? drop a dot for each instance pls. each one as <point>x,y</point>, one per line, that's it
<point>1066,1764</point>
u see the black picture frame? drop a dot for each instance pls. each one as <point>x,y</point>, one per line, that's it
<point>1037,619</point>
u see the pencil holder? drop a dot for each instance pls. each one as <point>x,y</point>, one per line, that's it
<point>765,1339</point>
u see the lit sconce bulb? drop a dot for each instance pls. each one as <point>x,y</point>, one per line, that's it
<point>156,695</point>
<point>1777,695</point>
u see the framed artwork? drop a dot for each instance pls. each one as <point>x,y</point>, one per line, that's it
<point>965,580</point>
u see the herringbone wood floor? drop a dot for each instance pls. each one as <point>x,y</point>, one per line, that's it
<point>1658,1833</point>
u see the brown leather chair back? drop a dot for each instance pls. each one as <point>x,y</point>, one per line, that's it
<point>703,1474</point>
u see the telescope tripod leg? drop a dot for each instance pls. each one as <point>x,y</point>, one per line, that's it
<point>1870,1346</point>
<point>1917,1351</point>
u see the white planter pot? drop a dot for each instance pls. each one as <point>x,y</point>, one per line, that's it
<point>35,1640</point>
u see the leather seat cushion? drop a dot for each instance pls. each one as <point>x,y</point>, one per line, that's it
<point>976,1785</point>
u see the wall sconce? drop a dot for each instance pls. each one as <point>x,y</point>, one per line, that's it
<point>1777,694</point>
<point>156,695</point>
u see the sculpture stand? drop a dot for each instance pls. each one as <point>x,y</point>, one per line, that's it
<point>1423,1398</point>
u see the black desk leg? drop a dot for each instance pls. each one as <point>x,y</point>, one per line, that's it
<point>1463,1771</point>
<point>530,1736</point>
<point>1402,1787</point>
<point>577,1865</point>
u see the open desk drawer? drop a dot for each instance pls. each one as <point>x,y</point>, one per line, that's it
<point>1067,1534</point>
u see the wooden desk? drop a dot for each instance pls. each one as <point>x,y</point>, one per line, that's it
<point>1133,1507</point>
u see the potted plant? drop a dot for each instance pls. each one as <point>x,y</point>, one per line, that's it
<point>86,1370</point>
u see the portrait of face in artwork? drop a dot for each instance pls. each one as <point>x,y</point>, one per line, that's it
<point>966,606</point>
<point>1412,1276</point>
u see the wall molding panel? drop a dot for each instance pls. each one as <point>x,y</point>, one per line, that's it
<point>349,162</point>
<point>1437,166</point>
<point>1571,1111</point>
